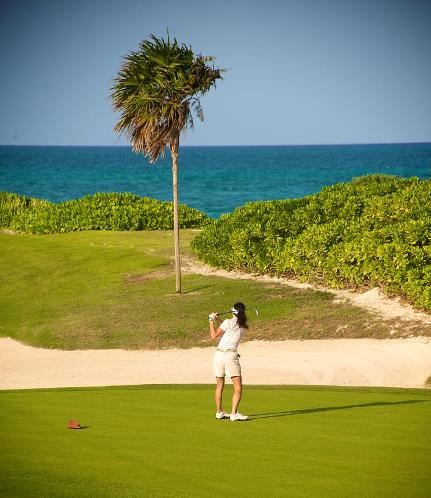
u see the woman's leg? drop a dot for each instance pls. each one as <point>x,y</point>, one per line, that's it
<point>219,393</point>
<point>237,392</point>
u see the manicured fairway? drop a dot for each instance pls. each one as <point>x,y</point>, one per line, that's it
<point>163,441</point>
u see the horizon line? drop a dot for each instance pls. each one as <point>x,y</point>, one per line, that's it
<point>228,145</point>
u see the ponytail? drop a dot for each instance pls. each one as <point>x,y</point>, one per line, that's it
<point>239,310</point>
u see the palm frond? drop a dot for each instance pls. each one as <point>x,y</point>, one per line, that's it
<point>156,90</point>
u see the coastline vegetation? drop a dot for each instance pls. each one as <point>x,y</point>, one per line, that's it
<point>102,211</point>
<point>373,231</point>
<point>100,287</point>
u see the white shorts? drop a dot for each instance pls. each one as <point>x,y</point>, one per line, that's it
<point>226,363</point>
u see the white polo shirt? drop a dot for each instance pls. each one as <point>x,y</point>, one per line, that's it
<point>232,334</point>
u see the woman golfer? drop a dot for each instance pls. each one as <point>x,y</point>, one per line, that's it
<point>226,358</point>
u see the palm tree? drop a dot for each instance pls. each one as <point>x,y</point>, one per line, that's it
<point>156,90</point>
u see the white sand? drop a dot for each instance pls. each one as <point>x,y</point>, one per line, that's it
<point>345,362</point>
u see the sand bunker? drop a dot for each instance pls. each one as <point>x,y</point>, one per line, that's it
<point>343,362</point>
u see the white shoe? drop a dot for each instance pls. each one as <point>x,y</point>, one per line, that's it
<point>237,416</point>
<point>221,415</point>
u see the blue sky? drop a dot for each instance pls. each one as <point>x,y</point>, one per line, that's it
<point>301,71</point>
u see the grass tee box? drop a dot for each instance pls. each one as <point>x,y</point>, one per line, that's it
<point>164,441</point>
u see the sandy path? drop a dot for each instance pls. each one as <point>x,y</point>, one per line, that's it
<point>372,300</point>
<point>346,362</point>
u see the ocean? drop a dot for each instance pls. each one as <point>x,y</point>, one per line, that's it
<point>213,179</point>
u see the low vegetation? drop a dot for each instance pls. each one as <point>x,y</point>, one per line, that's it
<point>373,231</point>
<point>116,211</point>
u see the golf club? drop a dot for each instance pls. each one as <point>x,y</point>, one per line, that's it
<point>230,311</point>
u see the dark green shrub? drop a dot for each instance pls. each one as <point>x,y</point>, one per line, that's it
<point>114,211</point>
<point>375,230</point>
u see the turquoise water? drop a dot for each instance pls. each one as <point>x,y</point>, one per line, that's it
<point>213,179</point>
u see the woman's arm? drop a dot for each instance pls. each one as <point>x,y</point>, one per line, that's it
<point>215,334</point>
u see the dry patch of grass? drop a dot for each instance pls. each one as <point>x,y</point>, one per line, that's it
<point>139,278</point>
<point>335,321</point>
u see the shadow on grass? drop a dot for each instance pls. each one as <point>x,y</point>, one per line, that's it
<point>332,408</point>
<point>196,289</point>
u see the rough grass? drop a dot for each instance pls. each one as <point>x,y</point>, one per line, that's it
<point>163,441</point>
<point>116,290</point>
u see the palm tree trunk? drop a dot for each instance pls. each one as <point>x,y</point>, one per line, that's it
<point>174,153</point>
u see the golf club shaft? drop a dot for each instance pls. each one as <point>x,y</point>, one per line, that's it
<point>230,311</point>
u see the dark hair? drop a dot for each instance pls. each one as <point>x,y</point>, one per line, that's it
<point>242,319</point>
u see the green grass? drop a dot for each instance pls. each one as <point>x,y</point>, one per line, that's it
<point>163,441</point>
<point>116,289</point>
